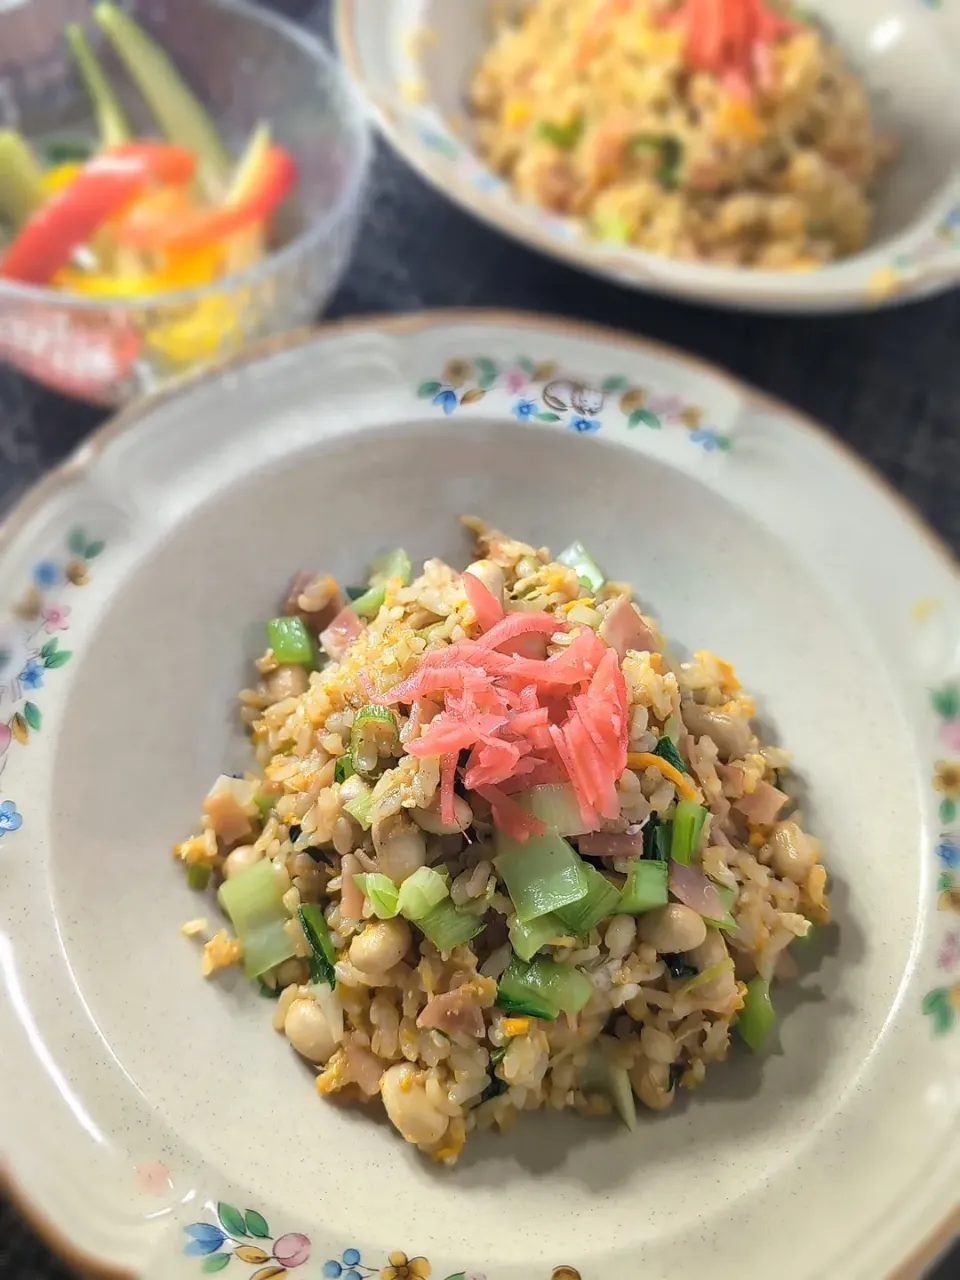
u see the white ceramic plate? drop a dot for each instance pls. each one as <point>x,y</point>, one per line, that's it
<point>413,59</point>
<point>153,1122</point>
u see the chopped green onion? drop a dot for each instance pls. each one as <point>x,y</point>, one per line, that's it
<point>602,1074</point>
<point>727,896</point>
<point>576,556</point>
<point>671,729</point>
<point>516,995</point>
<point>527,939</point>
<point>556,805</point>
<point>368,605</point>
<point>21,180</point>
<point>269,993</point>
<point>646,887</point>
<point>688,820</point>
<point>497,1055</point>
<point>669,149</point>
<point>112,124</point>
<point>666,749</point>
<point>757,1015</point>
<point>264,804</point>
<point>656,839</point>
<point>343,769</point>
<point>323,956</point>
<point>563,985</point>
<point>380,892</point>
<point>621,1092</point>
<point>705,975</point>
<point>374,733</point>
<point>446,926</point>
<point>290,641</point>
<point>541,875</point>
<point>252,901</point>
<point>421,892</point>
<point>198,875</point>
<point>394,564</point>
<point>611,226</point>
<point>354,593</point>
<point>360,802</point>
<point>177,109</point>
<point>566,136</point>
<point>601,900</point>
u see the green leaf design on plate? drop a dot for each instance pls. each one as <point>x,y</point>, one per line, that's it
<point>257,1225</point>
<point>459,1275</point>
<point>93,550</point>
<point>724,444</point>
<point>486,372</point>
<point>232,1219</point>
<point>614,383</point>
<point>948,810</point>
<point>31,713</point>
<point>427,389</point>
<point>526,364</point>
<point>944,882</point>
<point>946,701</point>
<point>50,647</point>
<point>77,541</point>
<point>59,658</point>
<point>215,1262</point>
<point>936,1004</point>
<point>547,417</point>
<point>644,417</point>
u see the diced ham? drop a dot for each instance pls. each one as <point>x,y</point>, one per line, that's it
<point>763,804</point>
<point>341,633</point>
<point>230,823</point>
<point>624,629</point>
<point>612,844</point>
<point>454,1011</point>
<point>363,1068</point>
<point>696,891</point>
<point>731,775</point>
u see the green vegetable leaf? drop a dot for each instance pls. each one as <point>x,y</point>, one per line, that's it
<point>615,383</point>
<point>59,658</point>
<point>93,550</point>
<point>215,1262</point>
<point>31,713</point>
<point>427,389</point>
<point>946,701</point>
<point>77,541</point>
<point>547,417</point>
<point>948,811</point>
<point>231,1219</point>
<point>566,136</point>
<point>257,1225</point>
<point>666,749</point>
<point>645,417</point>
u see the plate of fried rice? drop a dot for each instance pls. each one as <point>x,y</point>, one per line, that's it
<point>562,811</point>
<point>751,152</point>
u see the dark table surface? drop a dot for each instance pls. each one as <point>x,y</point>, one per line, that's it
<point>887,383</point>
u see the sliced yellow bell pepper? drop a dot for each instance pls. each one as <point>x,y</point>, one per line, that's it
<point>183,270</point>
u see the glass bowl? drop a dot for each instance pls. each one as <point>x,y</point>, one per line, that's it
<point>247,65</point>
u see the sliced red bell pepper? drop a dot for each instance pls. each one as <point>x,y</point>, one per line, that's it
<point>268,188</point>
<point>71,216</point>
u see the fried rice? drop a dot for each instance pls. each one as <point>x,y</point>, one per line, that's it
<point>531,918</point>
<point>738,136</point>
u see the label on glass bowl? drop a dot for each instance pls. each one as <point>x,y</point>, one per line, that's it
<point>86,356</point>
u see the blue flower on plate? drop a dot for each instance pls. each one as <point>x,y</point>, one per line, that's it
<point>46,574</point>
<point>709,439</point>
<point>204,1238</point>
<point>10,819</point>
<point>31,677</point>
<point>524,409</point>
<point>948,851</point>
<point>446,399</point>
<point>577,423</point>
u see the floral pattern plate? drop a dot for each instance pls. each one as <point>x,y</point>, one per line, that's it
<point>152,1122</point>
<point>414,59</point>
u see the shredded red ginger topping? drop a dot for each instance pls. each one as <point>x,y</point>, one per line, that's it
<point>525,720</point>
<point>731,38</point>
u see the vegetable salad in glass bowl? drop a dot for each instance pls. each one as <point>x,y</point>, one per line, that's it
<point>500,850</point>
<point>193,182</point>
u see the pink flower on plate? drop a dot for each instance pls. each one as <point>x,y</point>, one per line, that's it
<point>949,952</point>
<point>950,734</point>
<point>666,406</point>
<point>515,380</point>
<point>55,617</point>
<point>153,1177</point>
